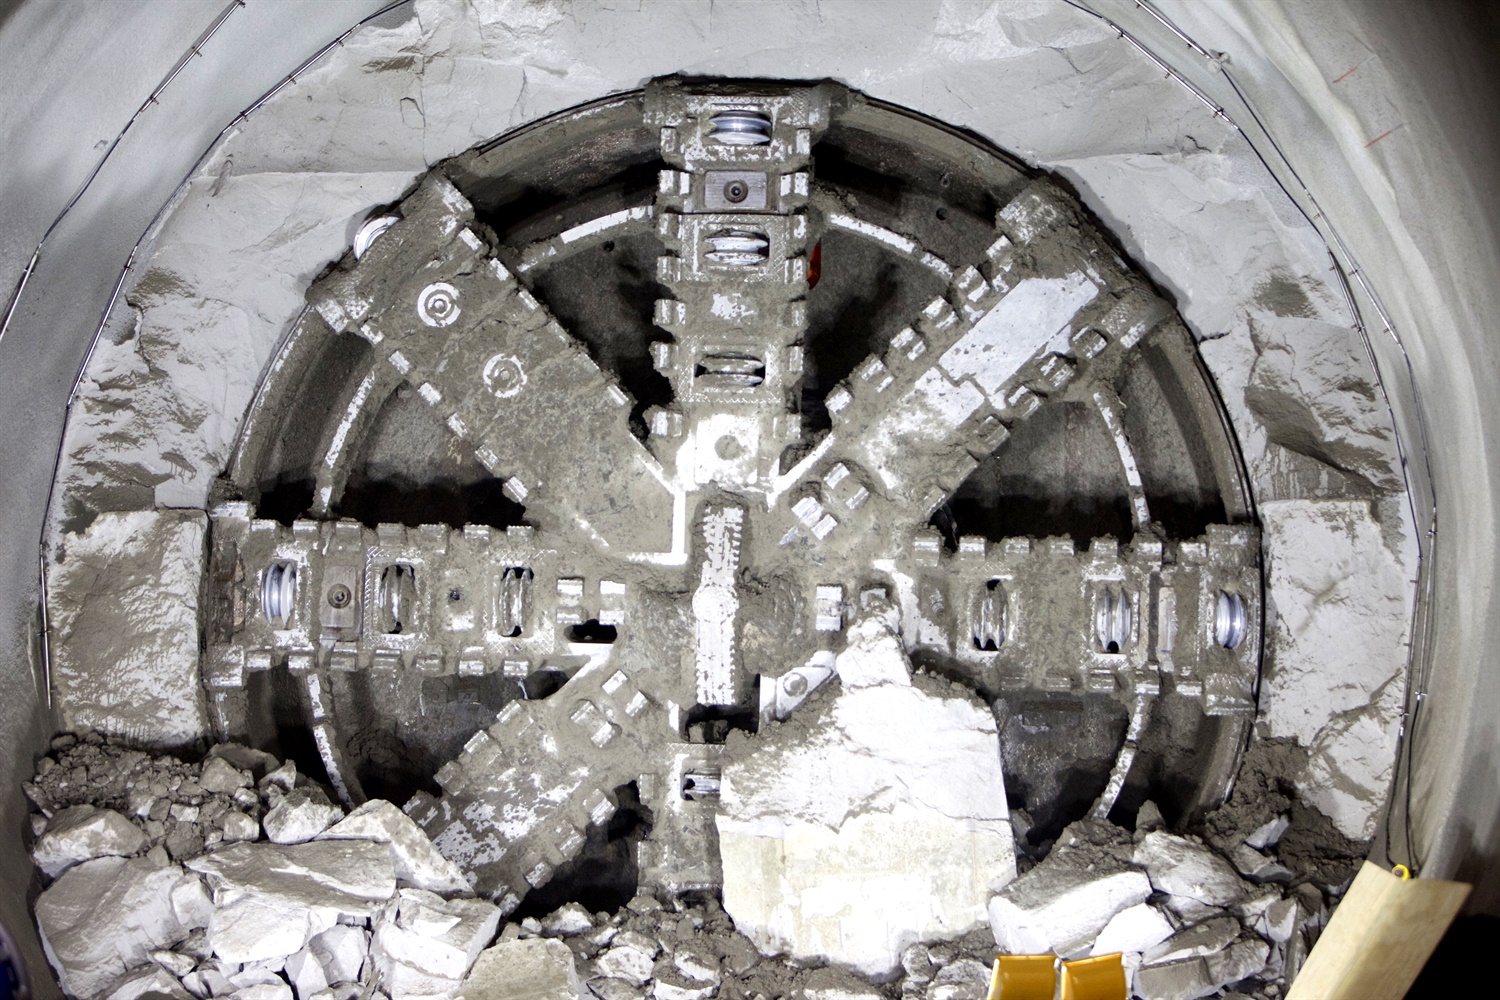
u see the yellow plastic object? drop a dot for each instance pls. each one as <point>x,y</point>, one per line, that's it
<point>1402,872</point>
<point>1024,977</point>
<point>1098,978</point>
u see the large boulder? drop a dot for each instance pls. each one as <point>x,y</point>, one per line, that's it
<point>106,916</point>
<point>534,969</point>
<point>425,945</point>
<point>417,862</point>
<point>81,833</point>
<point>872,819</point>
<point>271,900</point>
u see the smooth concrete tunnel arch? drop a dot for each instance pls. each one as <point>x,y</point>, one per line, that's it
<point>1354,142</point>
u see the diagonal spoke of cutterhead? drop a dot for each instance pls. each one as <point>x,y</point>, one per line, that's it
<point>486,355</point>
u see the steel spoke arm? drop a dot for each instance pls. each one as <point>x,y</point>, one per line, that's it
<point>449,318</point>
<point>910,425</point>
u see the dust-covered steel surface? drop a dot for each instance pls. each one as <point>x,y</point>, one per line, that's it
<point>685,547</point>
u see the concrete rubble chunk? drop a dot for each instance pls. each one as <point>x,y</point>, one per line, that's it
<point>80,833</point>
<point>1200,939</point>
<point>427,946</point>
<point>1184,867</point>
<point>341,951</point>
<point>299,817</point>
<point>272,899</point>
<point>343,991</point>
<point>1061,907</point>
<point>417,862</point>
<point>964,979</point>
<point>829,799</point>
<point>1135,928</point>
<point>537,969</point>
<point>153,983</point>
<point>105,916</point>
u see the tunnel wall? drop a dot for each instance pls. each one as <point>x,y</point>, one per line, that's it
<point>1418,214</point>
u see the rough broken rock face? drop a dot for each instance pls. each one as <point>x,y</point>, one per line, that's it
<point>602,537</point>
<point>843,845</point>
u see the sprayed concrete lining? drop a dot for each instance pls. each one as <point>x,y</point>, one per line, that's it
<point>1073,153</point>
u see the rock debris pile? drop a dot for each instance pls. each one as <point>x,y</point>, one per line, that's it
<point>237,877</point>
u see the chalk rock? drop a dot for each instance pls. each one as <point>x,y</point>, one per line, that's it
<point>79,833</point>
<point>257,762</point>
<point>429,944</point>
<point>1257,867</point>
<point>220,776</point>
<point>105,916</point>
<point>272,899</point>
<point>964,979</point>
<point>299,816</point>
<point>1200,976</point>
<point>1191,942</point>
<point>1136,928</point>
<point>1314,392</point>
<point>874,653</point>
<point>417,862</point>
<point>567,921</point>
<point>1245,957</point>
<point>697,964</point>
<point>238,826</point>
<point>1337,679</point>
<point>174,962</point>
<point>126,595</point>
<point>664,990</point>
<point>628,962</point>
<point>1268,834</point>
<point>1184,980</point>
<point>341,951</point>
<point>1060,908</point>
<point>1185,868</point>
<point>827,805</point>
<point>263,991</point>
<point>536,969</point>
<point>191,903</point>
<point>306,973</point>
<point>607,988</point>
<point>153,982</point>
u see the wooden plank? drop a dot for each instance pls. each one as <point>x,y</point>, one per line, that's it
<point>1379,937</point>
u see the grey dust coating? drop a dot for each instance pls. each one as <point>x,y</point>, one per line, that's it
<point>592,449</point>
